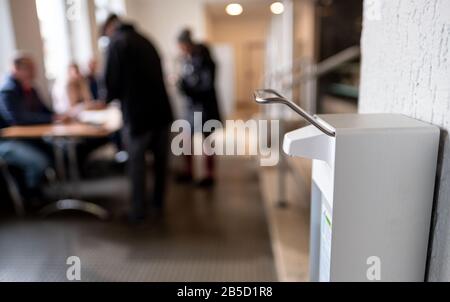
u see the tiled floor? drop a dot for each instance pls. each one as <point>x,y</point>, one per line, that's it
<point>220,235</point>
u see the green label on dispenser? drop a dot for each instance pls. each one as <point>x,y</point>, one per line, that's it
<point>327,219</point>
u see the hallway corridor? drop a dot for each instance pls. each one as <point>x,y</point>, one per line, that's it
<point>219,235</point>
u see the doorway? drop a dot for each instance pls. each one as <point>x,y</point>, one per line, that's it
<point>246,35</point>
<point>254,54</point>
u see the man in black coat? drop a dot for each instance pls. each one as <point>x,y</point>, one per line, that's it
<point>134,76</point>
<point>197,83</point>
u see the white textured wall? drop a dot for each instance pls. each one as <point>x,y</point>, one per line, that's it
<point>406,69</point>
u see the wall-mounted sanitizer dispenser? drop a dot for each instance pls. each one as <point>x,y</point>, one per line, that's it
<point>372,192</point>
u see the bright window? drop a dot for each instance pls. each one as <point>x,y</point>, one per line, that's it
<point>106,7</point>
<point>55,36</point>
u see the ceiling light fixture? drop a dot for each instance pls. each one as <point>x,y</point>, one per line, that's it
<point>277,8</point>
<point>234,9</point>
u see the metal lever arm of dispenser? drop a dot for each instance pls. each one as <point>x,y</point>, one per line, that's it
<point>270,96</point>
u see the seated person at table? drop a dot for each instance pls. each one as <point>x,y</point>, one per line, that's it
<point>20,104</point>
<point>93,79</point>
<point>72,95</point>
<point>98,93</point>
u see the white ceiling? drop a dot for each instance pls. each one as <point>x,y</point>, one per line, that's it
<point>252,8</point>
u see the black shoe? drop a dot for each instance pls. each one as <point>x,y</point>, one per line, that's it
<point>35,201</point>
<point>206,182</point>
<point>184,178</point>
<point>156,214</point>
<point>135,220</point>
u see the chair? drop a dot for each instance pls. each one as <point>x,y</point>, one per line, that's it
<point>13,189</point>
<point>11,183</point>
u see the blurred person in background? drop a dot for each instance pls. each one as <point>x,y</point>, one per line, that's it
<point>20,104</point>
<point>133,75</point>
<point>99,94</point>
<point>72,94</point>
<point>92,79</point>
<point>197,83</point>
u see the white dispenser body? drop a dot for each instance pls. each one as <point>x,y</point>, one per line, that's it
<point>372,196</point>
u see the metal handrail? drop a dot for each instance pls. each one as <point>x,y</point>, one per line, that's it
<point>302,73</point>
<point>319,69</point>
<point>328,65</point>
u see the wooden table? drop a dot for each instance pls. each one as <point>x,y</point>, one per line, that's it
<point>74,130</point>
<point>64,138</point>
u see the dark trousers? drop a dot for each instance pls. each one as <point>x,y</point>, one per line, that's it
<point>87,146</point>
<point>157,141</point>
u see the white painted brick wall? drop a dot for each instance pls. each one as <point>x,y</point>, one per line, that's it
<point>406,69</point>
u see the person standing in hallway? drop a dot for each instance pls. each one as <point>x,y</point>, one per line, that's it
<point>197,83</point>
<point>134,76</point>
